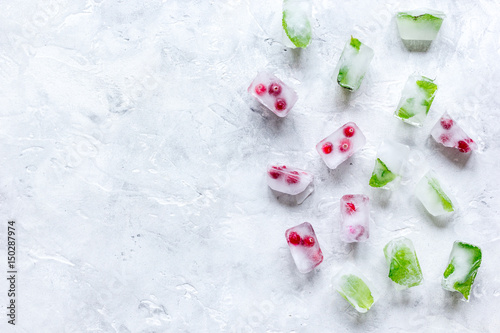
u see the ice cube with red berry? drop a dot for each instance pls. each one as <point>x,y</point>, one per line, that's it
<point>449,134</point>
<point>354,218</point>
<point>341,144</point>
<point>273,93</point>
<point>304,247</point>
<point>289,180</point>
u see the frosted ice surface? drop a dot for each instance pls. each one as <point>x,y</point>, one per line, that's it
<point>341,144</point>
<point>304,247</point>
<point>404,269</point>
<point>354,218</point>
<point>419,24</point>
<point>435,197</point>
<point>359,291</point>
<point>388,164</point>
<point>273,93</point>
<point>353,64</point>
<point>462,268</point>
<point>416,100</point>
<point>448,133</point>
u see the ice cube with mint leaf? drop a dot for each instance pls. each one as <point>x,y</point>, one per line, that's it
<point>353,64</point>
<point>388,164</point>
<point>416,100</point>
<point>435,197</point>
<point>419,24</point>
<point>296,23</point>
<point>355,288</point>
<point>404,269</point>
<point>462,268</point>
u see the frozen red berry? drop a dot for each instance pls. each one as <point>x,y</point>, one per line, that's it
<point>349,131</point>
<point>275,172</point>
<point>294,238</point>
<point>260,89</point>
<point>280,104</point>
<point>444,138</point>
<point>350,207</point>
<point>463,147</point>
<point>446,123</point>
<point>293,177</point>
<point>274,89</point>
<point>345,144</point>
<point>327,148</point>
<point>309,241</point>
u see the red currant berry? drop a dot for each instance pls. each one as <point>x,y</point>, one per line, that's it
<point>293,177</point>
<point>463,147</point>
<point>327,148</point>
<point>294,238</point>
<point>280,104</point>
<point>260,89</point>
<point>446,123</point>
<point>444,138</point>
<point>274,89</point>
<point>275,174</point>
<point>345,144</point>
<point>309,241</point>
<point>350,207</point>
<point>349,131</point>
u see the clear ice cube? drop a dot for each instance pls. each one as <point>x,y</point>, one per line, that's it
<point>416,100</point>
<point>354,218</point>
<point>355,288</point>
<point>290,180</point>
<point>404,269</point>
<point>341,144</point>
<point>296,23</point>
<point>462,268</point>
<point>390,158</point>
<point>448,133</point>
<point>419,24</point>
<point>353,64</point>
<point>273,93</point>
<point>304,247</point>
<point>433,195</point>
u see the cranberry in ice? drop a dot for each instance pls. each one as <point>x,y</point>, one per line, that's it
<point>341,144</point>
<point>304,247</point>
<point>273,93</point>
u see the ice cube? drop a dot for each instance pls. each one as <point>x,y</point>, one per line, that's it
<point>390,158</point>
<point>304,247</point>
<point>416,100</point>
<point>290,180</point>
<point>296,23</point>
<point>353,64</point>
<point>341,144</point>
<point>447,132</point>
<point>354,218</point>
<point>419,24</point>
<point>433,195</point>
<point>273,93</point>
<point>355,288</point>
<point>404,268</point>
<point>464,262</point>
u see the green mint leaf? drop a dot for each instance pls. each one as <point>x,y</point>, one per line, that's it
<point>355,43</point>
<point>428,86</point>
<point>404,268</point>
<point>356,289</point>
<point>381,174</point>
<point>445,200</point>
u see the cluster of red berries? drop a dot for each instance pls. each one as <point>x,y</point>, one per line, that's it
<point>275,90</point>
<point>345,143</point>
<point>295,239</point>
<point>292,177</point>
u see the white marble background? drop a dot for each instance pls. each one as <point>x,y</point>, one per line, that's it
<point>133,160</point>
